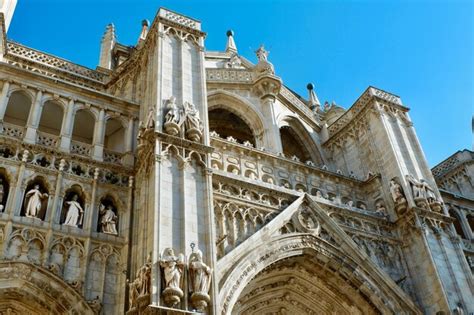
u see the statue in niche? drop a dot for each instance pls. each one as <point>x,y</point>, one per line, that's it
<point>34,204</point>
<point>192,122</point>
<point>74,213</point>
<point>199,280</point>
<point>173,267</point>
<point>173,117</point>
<point>108,219</point>
<point>3,188</point>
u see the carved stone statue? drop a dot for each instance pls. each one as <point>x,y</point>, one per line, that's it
<point>173,117</point>
<point>173,267</point>
<point>2,191</point>
<point>95,305</point>
<point>2,194</point>
<point>34,197</point>
<point>150,119</point>
<point>398,196</point>
<point>430,195</point>
<point>108,220</point>
<point>140,287</point>
<point>199,281</point>
<point>192,122</point>
<point>396,192</point>
<point>417,188</point>
<point>74,213</point>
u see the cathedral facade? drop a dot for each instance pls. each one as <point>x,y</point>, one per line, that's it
<point>176,180</point>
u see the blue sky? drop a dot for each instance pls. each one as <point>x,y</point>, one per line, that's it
<point>422,51</point>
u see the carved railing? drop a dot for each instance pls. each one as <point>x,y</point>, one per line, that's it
<point>248,163</point>
<point>229,75</point>
<point>13,131</point>
<point>81,148</point>
<point>113,157</point>
<point>46,139</point>
<point>179,19</point>
<point>23,52</point>
<point>48,159</point>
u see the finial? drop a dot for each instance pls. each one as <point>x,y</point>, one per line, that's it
<point>313,100</point>
<point>230,46</point>
<point>144,32</point>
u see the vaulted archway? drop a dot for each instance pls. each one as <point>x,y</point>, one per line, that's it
<point>28,289</point>
<point>244,121</point>
<point>296,141</point>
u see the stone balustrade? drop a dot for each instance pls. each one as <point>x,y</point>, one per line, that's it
<point>287,174</point>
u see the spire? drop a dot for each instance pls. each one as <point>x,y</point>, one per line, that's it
<point>230,47</point>
<point>106,46</point>
<point>144,32</point>
<point>313,101</point>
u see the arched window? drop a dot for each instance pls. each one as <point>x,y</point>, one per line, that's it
<point>457,223</point>
<point>292,145</point>
<point>51,118</point>
<point>84,124</point>
<point>18,109</point>
<point>297,142</point>
<point>49,128</point>
<point>228,124</point>
<point>114,136</point>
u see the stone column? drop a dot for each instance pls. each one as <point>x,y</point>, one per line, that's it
<point>4,98</point>
<point>18,195</point>
<point>57,191</point>
<point>33,119</point>
<point>98,152</point>
<point>128,157</point>
<point>67,127</point>
<point>273,139</point>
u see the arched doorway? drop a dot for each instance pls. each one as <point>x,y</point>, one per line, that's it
<point>303,246</point>
<point>28,289</point>
<point>298,285</point>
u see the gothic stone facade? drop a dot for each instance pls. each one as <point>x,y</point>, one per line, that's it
<point>175,180</point>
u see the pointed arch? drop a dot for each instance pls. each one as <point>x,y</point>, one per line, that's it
<point>297,141</point>
<point>240,107</point>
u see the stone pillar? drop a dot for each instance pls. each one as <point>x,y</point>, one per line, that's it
<point>57,191</point>
<point>273,132</point>
<point>98,153</point>
<point>4,98</point>
<point>128,157</point>
<point>18,195</point>
<point>33,119</point>
<point>67,127</point>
